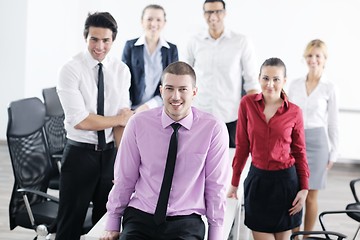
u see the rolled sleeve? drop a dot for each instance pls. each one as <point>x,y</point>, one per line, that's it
<point>70,96</point>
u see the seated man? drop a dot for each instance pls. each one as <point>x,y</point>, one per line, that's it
<point>155,197</point>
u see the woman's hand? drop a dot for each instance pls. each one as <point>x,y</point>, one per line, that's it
<point>298,202</point>
<point>329,165</point>
<point>232,193</point>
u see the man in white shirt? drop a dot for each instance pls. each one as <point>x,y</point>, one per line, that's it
<point>222,59</point>
<point>92,131</point>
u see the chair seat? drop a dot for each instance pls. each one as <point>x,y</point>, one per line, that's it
<point>354,206</point>
<point>44,213</point>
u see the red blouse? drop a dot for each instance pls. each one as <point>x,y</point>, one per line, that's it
<point>278,144</point>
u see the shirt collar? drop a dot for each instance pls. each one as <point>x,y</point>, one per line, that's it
<point>162,41</point>
<point>225,34</point>
<point>260,98</point>
<point>186,122</point>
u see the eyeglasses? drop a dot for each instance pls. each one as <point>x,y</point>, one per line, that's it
<point>217,12</point>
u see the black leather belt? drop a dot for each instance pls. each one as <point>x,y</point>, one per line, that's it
<point>174,218</point>
<point>90,146</point>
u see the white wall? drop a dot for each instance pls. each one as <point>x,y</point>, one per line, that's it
<point>12,49</point>
<point>39,36</point>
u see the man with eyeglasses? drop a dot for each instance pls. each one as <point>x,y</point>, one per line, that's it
<point>222,60</point>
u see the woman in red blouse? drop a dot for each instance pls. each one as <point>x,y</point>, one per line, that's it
<point>271,130</point>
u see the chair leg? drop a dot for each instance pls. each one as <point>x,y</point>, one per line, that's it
<point>42,232</point>
<point>357,233</point>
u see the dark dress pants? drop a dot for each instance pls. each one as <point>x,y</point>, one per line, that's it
<point>86,176</point>
<point>139,225</point>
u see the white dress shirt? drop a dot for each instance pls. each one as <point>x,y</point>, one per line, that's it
<point>220,65</point>
<point>320,108</point>
<point>77,89</point>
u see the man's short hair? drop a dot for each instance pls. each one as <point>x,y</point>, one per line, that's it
<point>102,20</point>
<point>179,68</point>
<point>211,1</point>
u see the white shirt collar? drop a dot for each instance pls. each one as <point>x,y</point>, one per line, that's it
<point>226,33</point>
<point>141,41</point>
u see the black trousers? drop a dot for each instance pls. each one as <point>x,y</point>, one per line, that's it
<point>86,176</point>
<point>139,225</point>
<point>231,127</point>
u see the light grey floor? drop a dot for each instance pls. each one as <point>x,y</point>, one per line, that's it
<point>335,197</point>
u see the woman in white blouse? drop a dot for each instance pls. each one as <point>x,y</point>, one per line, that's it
<point>317,98</point>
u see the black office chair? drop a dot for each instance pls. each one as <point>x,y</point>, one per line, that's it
<point>318,235</point>
<point>325,232</point>
<point>30,206</point>
<point>347,212</point>
<point>356,205</point>
<point>55,132</point>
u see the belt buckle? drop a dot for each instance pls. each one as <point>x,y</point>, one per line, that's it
<point>97,148</point>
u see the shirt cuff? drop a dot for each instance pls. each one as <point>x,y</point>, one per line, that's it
<point>215,232</point>
<point>333,156</point>
<point>113,223</point>
<point>235,180</point>
<point>304,183</point>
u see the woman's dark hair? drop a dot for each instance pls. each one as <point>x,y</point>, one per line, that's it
<point>275,62</point>
<point>100,19</point>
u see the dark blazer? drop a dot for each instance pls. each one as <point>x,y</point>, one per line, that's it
<point>133,58</point>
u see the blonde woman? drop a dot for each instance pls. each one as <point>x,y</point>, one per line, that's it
<point>316,95</point>
<point>146,58</point>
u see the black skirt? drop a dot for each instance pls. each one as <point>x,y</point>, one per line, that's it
<point>268,196</point>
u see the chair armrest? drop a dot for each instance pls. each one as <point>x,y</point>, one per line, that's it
<point>57,156</point>
<point>353,190</point>
<point>42,194</point>
<point>322,214</point>
<point>326,233</point>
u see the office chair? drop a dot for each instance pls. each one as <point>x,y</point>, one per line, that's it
<point>55,132</point>
<point>30,205</point>
<point>347,212</point>
<point>325,232</point>
<point>318,235</point>
<point>354,206</point>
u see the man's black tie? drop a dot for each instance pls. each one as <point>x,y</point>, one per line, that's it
<point>161,207</point>
<point>100,105</point>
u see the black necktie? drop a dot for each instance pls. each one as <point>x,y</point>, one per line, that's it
<point>161,207</point>
<point>100,105</point>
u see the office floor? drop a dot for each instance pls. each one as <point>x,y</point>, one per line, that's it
<point>335,197</point>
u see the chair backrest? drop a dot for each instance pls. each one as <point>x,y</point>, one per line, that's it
<point>354,185</point>
<point>28,150</point>
<point>54,123</point>
<point>52,102</point>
